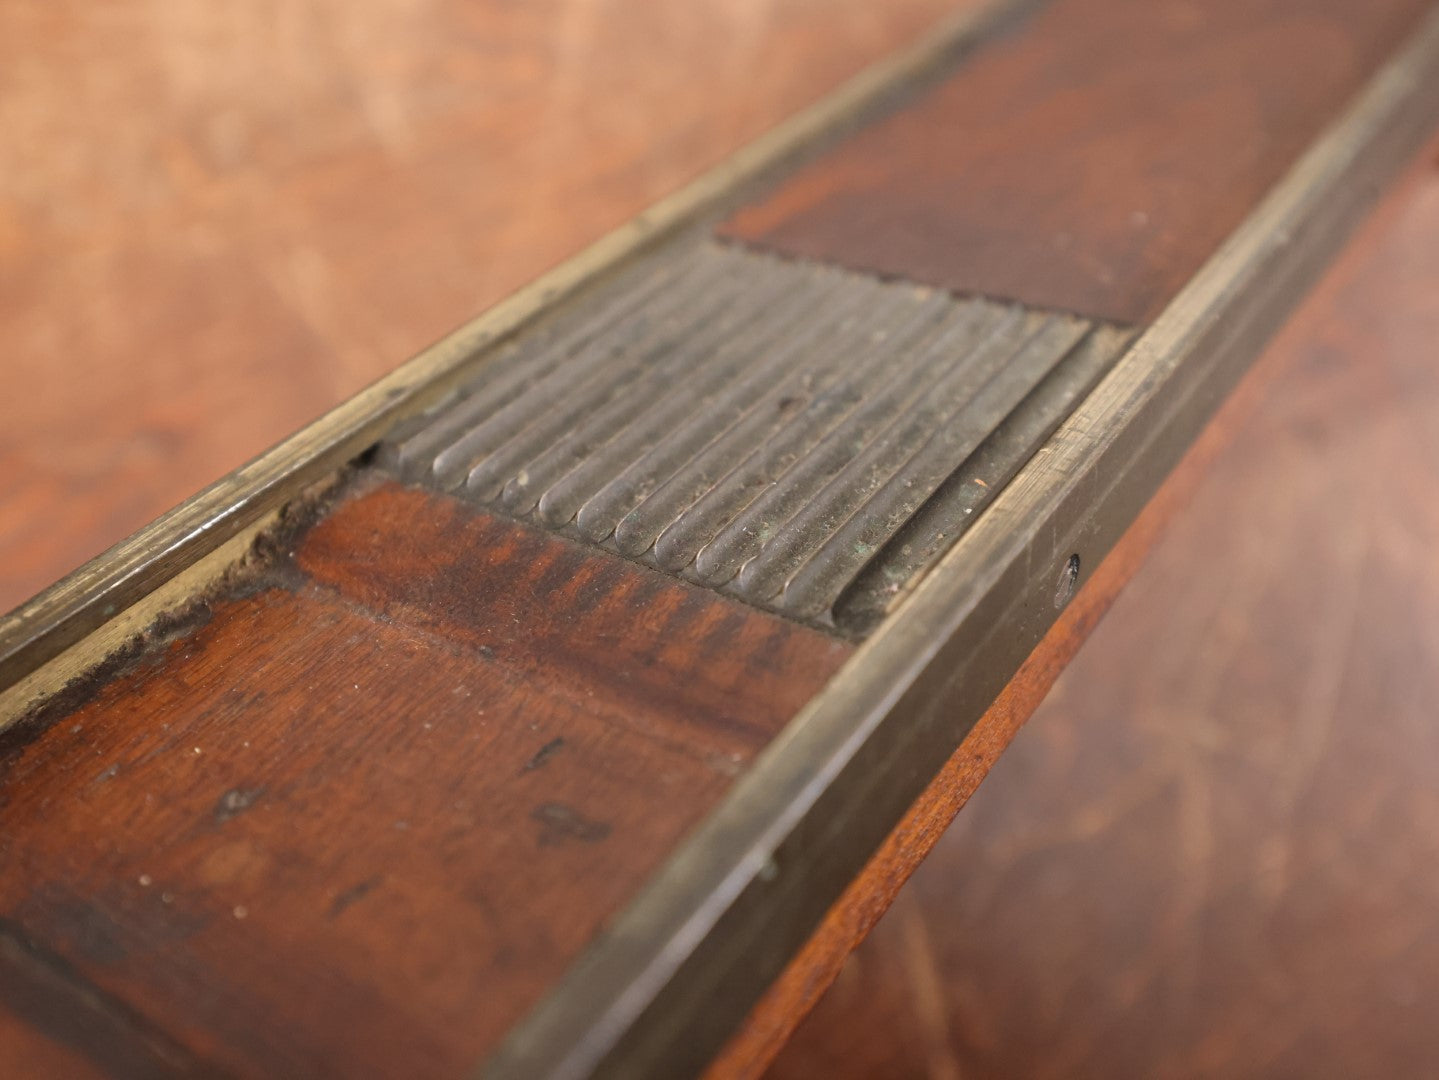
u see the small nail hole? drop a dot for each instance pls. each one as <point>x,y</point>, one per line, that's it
<point>1068,577</point>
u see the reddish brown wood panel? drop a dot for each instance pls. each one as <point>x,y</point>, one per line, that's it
<point>217,222</point>
<point>1093,160</point>
<point>1212,852</point>
<point>361,817</point>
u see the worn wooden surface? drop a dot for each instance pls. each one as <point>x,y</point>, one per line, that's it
<point>360,816</point>
<point>310,889</point>
<point>216,223</point>
<point>1211,852</point>
<point>1094,160</point>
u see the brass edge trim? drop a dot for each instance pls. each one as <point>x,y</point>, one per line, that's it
<point>18,699</point>
<point>679,969</point>
<point>59,618</point>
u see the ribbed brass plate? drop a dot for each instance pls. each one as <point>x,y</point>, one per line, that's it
<point>806,438</point>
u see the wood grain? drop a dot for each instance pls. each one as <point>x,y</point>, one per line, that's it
<point>215,223</point>
<point>29,1053</point>
<point>1093,160</point>
<point>1210,853</point>
<point>359,815</point>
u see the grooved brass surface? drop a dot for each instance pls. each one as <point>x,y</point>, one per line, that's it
<point>805,438</point>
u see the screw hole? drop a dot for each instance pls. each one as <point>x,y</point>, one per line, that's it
<point>1068,578</point>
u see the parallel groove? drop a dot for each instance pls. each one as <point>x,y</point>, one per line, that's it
<point>898,476</point>
<point>840,458</point>
<point>411,450</point>
<point>666,340</point>
<point>568,377</point>
<point>681,344</point>
<point>924,530</point>
<point>806,459</point>
<point>733,365</point>
<point>759,426</point>
<point>749,416</point>
<point>683,541</point>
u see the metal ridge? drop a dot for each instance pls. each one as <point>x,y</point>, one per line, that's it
<point>59,618</point>
<point>678,970</point>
